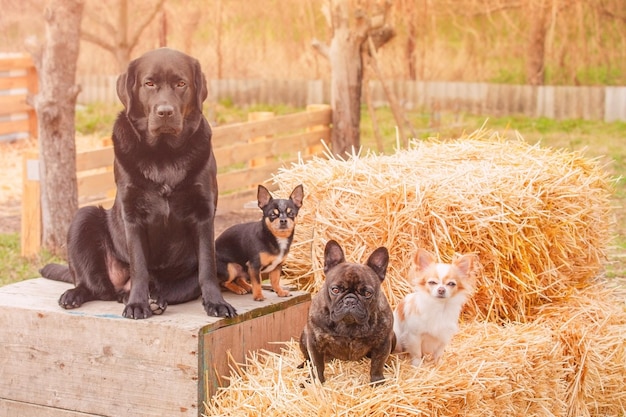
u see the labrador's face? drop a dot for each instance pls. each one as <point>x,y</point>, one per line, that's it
<point>162,92</point>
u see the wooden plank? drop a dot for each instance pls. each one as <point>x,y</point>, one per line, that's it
<point>10,408</point>
<point>14,126</point>
<point>235,201</point>
<point>17,62</point>
<point>14,83</point>
<point>238,132</point>
<point>238,153</point>
<point>94,361</point>
<point>106,203</point>
<point>242,178</point>
<point>93,159</point>
<point>614,104</point>
<point>14,104</point>
<point>95,184</point>
<point>257,333</point>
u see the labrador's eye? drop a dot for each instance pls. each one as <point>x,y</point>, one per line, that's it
<point>149,84</point>
<point>181,84</point>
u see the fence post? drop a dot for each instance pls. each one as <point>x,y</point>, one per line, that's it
<point>253,117</point>
<point>316,149</point>
<point>31,205</point>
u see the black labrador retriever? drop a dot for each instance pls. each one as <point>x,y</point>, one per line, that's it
<point>156,244</point>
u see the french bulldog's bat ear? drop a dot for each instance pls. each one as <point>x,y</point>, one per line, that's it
<point>378,261</point>
<point>297,195</point>
<point>333,255</point>
<point>422,259</point>
<point>263,196</point>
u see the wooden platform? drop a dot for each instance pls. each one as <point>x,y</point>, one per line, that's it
<point>93,362</point>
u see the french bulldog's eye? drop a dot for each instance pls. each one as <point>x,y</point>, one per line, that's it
<point>367,294</point>
<point>335,290</point>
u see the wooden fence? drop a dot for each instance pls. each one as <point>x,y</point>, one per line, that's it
<point>18,80</point>
<point>555,102</point>
<point>247,154</point>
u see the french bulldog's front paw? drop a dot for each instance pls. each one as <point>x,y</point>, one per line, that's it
<point>377,380</point>
<point>137,311</point>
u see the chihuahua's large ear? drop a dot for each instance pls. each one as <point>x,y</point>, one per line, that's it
<point>263,196</point>
<point>297,195</point>
<point>422,259</point>
<point>125,87</point>
<point>333,255</point>
<point>378,261</point>
<point>200,85</point>
<point>465,263</point>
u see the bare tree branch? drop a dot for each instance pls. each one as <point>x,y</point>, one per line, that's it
<point>320,47</point>
<point>96,40</point>
<point>144,25</point>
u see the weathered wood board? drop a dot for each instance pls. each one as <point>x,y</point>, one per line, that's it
<point>93,362</point>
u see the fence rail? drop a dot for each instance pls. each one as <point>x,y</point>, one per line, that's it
<point>18,81</point>
<point>555,102</point>
<point>247,154</point>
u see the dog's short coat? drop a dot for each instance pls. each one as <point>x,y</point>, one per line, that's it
<point>350,317</point>
<point>157,241</point>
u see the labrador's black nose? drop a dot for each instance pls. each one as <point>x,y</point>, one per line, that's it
<point>164,110</point>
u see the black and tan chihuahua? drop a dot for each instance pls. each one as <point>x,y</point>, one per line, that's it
<point>247,250</point>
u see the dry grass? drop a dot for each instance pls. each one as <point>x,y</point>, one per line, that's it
<point>570,364</point>
<point>538,218</point>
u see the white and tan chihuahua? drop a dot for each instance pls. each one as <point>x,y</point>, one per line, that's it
<point>427,319</point>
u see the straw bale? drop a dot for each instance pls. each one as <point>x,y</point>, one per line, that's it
<point>537,217</point>
<point>488,370</point>
<point>591,327</point>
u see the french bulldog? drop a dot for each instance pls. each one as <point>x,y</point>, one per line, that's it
<point>350,317</point>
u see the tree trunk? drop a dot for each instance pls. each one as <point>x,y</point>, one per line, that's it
<point>535,53</point>
<point>345,87</point>
<point>55,106</point>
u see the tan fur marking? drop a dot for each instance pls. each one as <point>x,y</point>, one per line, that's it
<point>275,281</point>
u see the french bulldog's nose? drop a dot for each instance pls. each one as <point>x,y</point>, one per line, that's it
<point>350,301</point>
<point>164,110</point>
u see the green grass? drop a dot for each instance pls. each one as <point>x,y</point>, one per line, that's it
<point>595,138</point>
<point>15,268</point>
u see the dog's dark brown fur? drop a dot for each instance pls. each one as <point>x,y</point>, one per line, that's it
<point>350,317</point>
<point>157,241</point>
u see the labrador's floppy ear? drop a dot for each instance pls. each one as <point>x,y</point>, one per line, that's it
<point>200,85</point>
<point>125,86</point>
